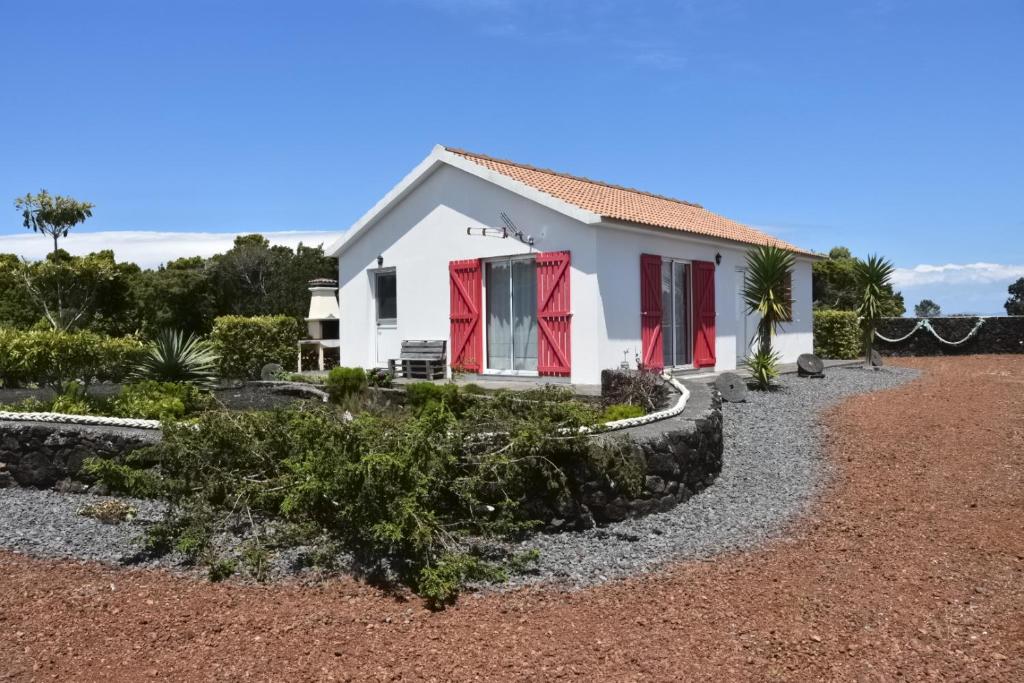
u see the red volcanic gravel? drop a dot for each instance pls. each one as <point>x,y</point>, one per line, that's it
<point>911,565</point>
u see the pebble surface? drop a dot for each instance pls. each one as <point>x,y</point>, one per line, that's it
<point>773,467</point>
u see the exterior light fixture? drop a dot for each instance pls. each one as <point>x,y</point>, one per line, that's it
<point>380,261</point>
<point>718,259</point>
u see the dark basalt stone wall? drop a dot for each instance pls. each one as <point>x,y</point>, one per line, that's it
<point>997,335</point>
<point>679,457</point>
<point>48,455</point>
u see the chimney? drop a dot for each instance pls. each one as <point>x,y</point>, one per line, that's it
<point>324,312</point>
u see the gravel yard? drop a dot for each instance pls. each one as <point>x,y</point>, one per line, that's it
<point>772,468</point>
<point>908,564</point>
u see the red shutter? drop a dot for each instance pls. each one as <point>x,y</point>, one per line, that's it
<point>554,317</point>
<point>703,314</point>
<point>653,356</point>
<point>466,286</point>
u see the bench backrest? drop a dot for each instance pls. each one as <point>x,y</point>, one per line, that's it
<point>424,349</point>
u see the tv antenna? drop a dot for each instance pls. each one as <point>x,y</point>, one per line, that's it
<point>508,229</point>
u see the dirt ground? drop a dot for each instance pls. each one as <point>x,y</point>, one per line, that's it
<point>910,566</point>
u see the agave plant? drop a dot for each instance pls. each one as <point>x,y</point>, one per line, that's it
<point>873,279</point>
<point>173,357</point>
<point>766,292</point>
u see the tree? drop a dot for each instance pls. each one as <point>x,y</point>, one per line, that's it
<point>1015,304</point>
<point>927,309</point>
<point>79,291</point>
<point>177,296</point>
<point>17,309</point>
<point>873,279</point>
<point>766,293</point>
<point>52,215</point>
<point>834,286</point>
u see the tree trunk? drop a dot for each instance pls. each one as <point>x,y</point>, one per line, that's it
<point>869,338</point>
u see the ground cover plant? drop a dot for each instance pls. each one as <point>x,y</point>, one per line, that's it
<point>412,497</point>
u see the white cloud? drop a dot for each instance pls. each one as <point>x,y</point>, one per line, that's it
<point>151,248</point>
<point>957,273</point>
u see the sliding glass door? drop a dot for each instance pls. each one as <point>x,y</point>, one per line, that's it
<point>675,316</point>
<point>511,298</point>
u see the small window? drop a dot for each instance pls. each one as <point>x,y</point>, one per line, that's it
<point>387,299</point>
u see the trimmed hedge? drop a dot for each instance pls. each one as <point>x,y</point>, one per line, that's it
<point>245,345</point>
<point>54,359</point>
<point>837,335</point>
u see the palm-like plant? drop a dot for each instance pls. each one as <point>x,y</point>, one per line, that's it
<point>873,279</point>
<point>766,292</point>
<point>173,357</point>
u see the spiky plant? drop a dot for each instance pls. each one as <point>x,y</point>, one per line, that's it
<point>173,357</point>
<point>766,293</point>
<point>874,277</point>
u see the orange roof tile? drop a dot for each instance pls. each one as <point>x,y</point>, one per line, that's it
<point>627,204</point>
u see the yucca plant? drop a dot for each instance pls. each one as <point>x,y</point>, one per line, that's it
<point>173,357</point>
<point>766,292</point>
<point>874,277</point>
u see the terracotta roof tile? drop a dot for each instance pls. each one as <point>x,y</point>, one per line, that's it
<point>627,204</point>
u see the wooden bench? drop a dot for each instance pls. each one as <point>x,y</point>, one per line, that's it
<point>421,359</point>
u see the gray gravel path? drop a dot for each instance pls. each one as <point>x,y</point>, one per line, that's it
<point>773,468</point>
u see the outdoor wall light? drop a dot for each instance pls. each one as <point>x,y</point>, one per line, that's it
<point>718,259</point>
<point>380,261</point>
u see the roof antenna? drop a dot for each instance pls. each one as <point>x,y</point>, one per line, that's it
<point>509,229</point>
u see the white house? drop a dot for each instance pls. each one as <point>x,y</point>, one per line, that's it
<point>525,271</point>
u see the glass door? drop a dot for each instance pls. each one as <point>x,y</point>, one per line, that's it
<point>675,313</point>
<point>511,300</point>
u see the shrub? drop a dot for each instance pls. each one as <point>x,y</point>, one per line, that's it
<point>54,359</point>
<point>422,395</point>
<point>837,334</point>
<point>634,387</point>
<point>245,345</point>
<point>763,367</point>
<point>73,401</point>
<point>345,382</point>
<point>379,377</point>
<point>173,357</point>
<point>152,400</point>
<point>621,411</point>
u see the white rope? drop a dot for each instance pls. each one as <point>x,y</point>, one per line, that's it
<point>926,324</point>
<point>684,396</point>
<point>95,420</point>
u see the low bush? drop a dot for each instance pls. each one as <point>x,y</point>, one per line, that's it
<point>401,495</point>
<point>344,382</point>
<point>621,411</point>
<point>246,344</point>
<point>379,377</point>
<point>837,334</point>
<point>174,357</point>
<point>152,400</point>
<point>634,387</point>
<point>54,359</point>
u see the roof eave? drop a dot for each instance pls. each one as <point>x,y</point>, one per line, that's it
<point>692,235</point>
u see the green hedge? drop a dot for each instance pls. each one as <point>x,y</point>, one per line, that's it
<point>837,334</point>
<point>245,345</point>
<point>51,358</point>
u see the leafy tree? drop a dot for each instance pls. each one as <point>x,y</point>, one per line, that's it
<point>177,296</point>
<point>873,279</point>
<point>1015,304</point>
<point>52,215</point>
<point>17,309</point>
<point>834,286</point>
<point>766,293</point>
<point>927,309</point>
<point>80,291</point>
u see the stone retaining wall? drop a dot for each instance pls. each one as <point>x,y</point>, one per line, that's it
<point>996,335</point>
<point>679,457</point>
<point>46,455</point>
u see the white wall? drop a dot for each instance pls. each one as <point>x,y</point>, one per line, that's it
<point>426,230</point>
<point>618,258</point>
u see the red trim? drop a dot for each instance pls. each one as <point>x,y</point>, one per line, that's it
<point>703,314</point>
<point>466,288</point>
<point>554,314</point>
<point>653,355</point>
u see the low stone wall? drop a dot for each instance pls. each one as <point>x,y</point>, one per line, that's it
<point>996,335</point>
<point>679,457</point>
<point>47,455</point>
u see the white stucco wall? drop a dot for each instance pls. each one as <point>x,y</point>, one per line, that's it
<point>427,229</point>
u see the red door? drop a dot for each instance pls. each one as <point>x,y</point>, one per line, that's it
<point>466,288</point>
<point>703,314</point>
<point>554,316</point>
<point>653,355</point>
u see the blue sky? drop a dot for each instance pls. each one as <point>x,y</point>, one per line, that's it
<point>887,126</point>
